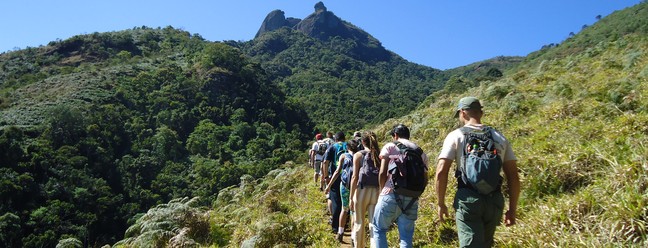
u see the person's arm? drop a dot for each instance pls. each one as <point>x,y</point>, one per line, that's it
<point>311,158</point>
<point>357,163</point>
<point>325,166</point>
<point>328,157</point>
<point>336,174</point>
<point>441,185</point>
<point>513,182</point>
<point>382,174</point>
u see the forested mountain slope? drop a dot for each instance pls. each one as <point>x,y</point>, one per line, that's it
<point>343,77</point>
<point>98,128</point>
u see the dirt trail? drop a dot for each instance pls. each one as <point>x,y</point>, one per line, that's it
<point>346,240</point>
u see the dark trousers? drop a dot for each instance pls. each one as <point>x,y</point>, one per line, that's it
<point>336,208</point>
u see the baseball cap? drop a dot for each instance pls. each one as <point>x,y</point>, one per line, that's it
<point>318,136</point>
<point>357,134</point>
<point>467,103</point>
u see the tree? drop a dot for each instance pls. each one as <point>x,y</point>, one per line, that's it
<point>494,73</point>
<point>9,230</point>
<point>65,126</point>
<point>222,56</point>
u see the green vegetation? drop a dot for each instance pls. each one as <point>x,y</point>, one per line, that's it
<point>576,124</point>
<point>327,76</point>
<point>85,150</point>
<point>155,137</point>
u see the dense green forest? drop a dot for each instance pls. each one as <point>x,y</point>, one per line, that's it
<point>346,68</point>
<point>99,128</point>
<point>157,137</point>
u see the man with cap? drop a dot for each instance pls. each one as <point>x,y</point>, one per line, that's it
<point>315,159</point>
<point>476,214</point>
<point>331,158</point>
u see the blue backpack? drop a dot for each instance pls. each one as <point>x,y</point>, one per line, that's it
<point>340,148</point>
<point>347,170</point>
<point>481,164</point>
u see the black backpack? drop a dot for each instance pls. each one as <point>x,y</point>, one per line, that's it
<point>410,173</point>
<point>481,164</point>
<point>368,171</point>
<point>347,170</point>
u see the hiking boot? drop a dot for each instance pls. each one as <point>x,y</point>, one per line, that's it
<point>339,237</point>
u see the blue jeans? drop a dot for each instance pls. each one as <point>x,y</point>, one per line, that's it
<point>389,210</point>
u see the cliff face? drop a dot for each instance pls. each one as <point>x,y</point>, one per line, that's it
<point>323,24</point>
<point>276,20</point>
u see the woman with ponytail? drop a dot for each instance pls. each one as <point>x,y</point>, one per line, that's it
<point>364,187</point>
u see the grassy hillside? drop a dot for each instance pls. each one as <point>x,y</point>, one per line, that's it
<point>577,123</point>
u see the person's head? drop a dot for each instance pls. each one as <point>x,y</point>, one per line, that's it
<point>329,134</point>
<point>370,141</point>
<point>469,108</point>
<point>400,131</point>
<point>318,136</point>
<point>339,136</point>
<point>352,146</point>
<point>357,134</point>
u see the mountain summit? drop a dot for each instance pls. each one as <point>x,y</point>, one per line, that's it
<point>324,24</point>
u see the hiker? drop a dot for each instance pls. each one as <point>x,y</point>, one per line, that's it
<point>357,135</point>
<point>364,187</point>
<point>343,171</point>
<point>316,153</point>
<point>330,164</point>
<point>329,138</point>
<point>329,141</point>
<point>478,207</point>
<point>399,204</point>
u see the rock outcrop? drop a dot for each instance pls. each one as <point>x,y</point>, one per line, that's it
<point>323,24</point>
<point>276,20</point>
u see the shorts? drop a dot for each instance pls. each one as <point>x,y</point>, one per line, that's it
<point>344,193</point>
<point>318,167</point>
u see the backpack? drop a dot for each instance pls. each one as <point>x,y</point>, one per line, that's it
<point>340,148</point>
<point>368,171</point>
<point>321,147</point>
<point>409,176</point>
<point>360,146</point>
<point>347,170</point>
<point>480,165</point>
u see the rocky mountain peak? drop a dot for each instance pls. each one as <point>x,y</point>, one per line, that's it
<point>323,24</point>
<point>319,7</point>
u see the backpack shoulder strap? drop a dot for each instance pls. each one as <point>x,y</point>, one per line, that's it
<point>348,156</point>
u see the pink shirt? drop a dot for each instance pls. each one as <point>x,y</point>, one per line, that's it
<point>391,150</point>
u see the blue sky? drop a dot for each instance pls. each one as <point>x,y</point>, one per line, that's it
<point>439,34</point>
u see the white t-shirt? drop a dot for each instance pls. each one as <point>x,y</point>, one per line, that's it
<point>391,149</point>
<point>451,146</point>
<point>315,147</point>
